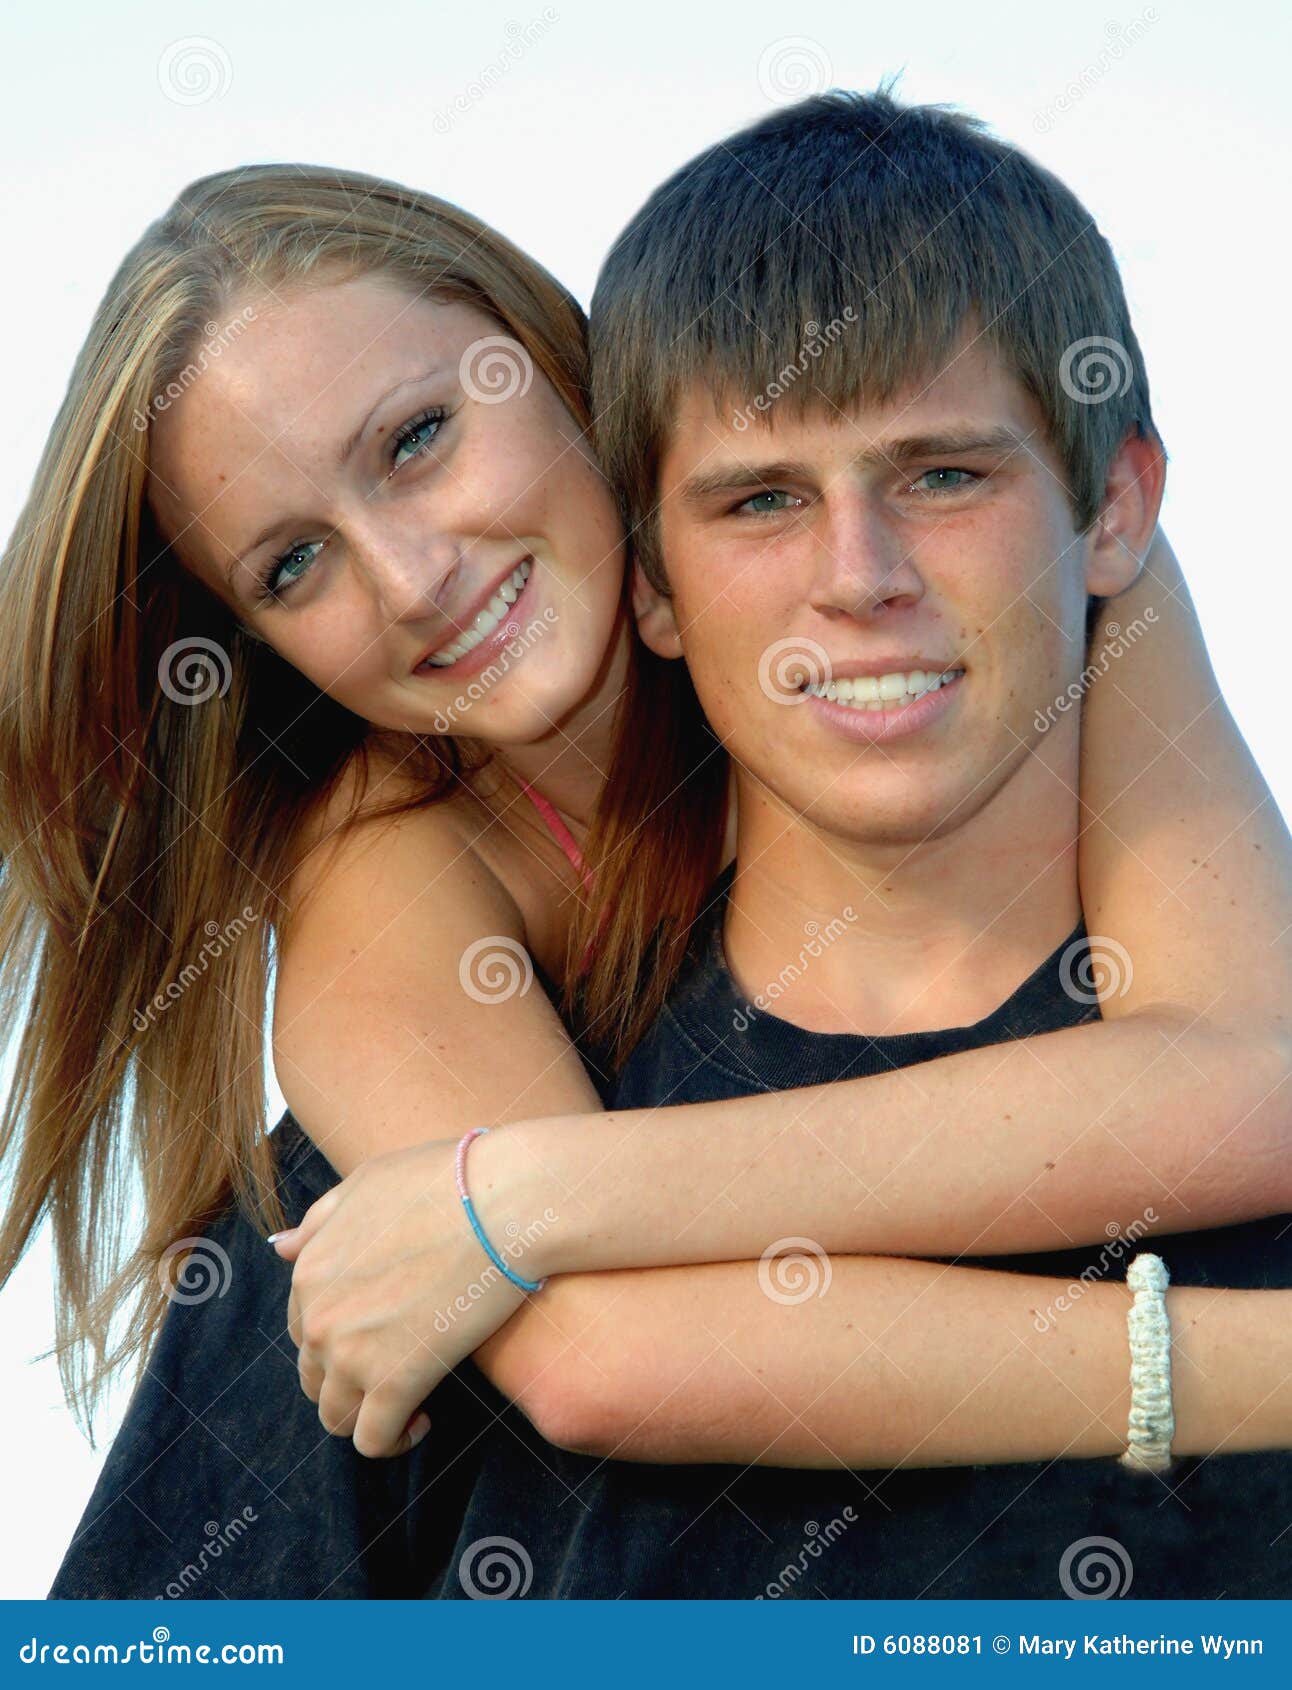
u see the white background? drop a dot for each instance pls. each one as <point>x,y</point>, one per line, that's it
<point>1166,119</point>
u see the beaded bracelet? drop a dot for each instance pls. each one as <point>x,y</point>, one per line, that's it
<point>495,1258</point>
<point>1152,1420</point>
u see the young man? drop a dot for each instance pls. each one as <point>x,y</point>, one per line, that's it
<point>923,506</point>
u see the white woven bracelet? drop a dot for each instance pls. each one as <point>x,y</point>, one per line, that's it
<point>1152,1422</point>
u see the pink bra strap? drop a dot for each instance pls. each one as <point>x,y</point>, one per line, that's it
<point>562,835</point>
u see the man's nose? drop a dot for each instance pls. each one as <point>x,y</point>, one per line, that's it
<point>865,561</point>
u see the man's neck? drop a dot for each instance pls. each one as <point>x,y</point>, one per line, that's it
<point>840,935</point>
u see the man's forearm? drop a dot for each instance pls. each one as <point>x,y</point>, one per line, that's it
<point>894,1362</point>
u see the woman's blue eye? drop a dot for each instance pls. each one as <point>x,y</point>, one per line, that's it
<point>415,434</point>
<point>769,493</point>
<point>946,480</point>
<point>271,584</point>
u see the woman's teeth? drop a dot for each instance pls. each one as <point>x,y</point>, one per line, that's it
<point>488,619</point>
<point>879,692</point>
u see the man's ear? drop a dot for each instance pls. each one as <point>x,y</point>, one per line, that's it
<point>1124,528</point>
<point>656,622</point>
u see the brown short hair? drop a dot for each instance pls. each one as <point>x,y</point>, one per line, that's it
<point>841,247</point>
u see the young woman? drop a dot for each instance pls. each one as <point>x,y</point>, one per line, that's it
<point>286,479</point>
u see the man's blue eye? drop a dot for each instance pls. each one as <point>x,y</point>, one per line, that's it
<point>770,493</point>
<point>945,480</point>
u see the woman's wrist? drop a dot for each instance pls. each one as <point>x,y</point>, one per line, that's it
<point>524,1196</point>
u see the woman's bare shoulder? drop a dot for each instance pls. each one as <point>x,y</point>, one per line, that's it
<point>381,813</point>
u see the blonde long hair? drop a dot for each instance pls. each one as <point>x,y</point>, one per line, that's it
<point>156,761</point>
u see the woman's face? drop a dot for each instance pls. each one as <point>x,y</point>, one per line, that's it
<point>386,489</point>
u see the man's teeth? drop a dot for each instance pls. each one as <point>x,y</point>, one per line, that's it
<point>488,619</point>
<point>878,692</point>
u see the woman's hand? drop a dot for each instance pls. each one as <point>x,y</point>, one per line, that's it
<point>391,1289</point>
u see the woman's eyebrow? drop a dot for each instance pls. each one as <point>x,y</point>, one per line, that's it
<point>348,446</point>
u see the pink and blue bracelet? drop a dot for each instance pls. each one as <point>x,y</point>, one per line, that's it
<point>494,1257</point>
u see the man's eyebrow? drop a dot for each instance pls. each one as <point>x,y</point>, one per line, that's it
<point>950,442</point>
<point>728,478</point>
<point>343,457</point>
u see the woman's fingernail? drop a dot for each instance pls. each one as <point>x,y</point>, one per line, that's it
<point>275,1236</point>
<point>418,1427</point>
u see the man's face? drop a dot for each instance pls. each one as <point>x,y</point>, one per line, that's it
<point>932,534</point>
